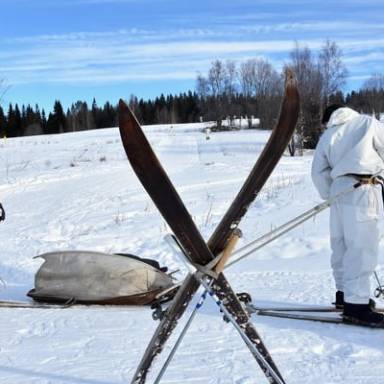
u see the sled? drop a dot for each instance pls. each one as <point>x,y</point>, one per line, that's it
<point>97,278</point>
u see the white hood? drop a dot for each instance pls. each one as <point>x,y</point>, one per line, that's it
<point>353,143</point>
<point>342,116</point>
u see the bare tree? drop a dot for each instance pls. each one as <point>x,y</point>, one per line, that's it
<point>248,77</point>
<point>219,87</point>
<point>375,82</point>
<point>260,80</point>
<point>230,78</point>
<point>310,82</point>
<point>332,69</point>
<point>217,78</point>
<point>373,89</point>
<point>202,86</point>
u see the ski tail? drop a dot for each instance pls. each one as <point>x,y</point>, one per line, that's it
<point>165,328</point>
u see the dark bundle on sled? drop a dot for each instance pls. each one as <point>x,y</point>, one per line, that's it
<point>96,278</point>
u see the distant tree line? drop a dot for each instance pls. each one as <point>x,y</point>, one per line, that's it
<point>252,88</point>
<point>26,121</point>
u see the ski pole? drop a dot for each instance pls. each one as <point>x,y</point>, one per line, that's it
<point>379,291</point>
<point>218,268</point>
<point>271,374</point>
<point>262,241</point>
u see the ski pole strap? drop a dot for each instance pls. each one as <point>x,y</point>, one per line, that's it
<point>2,213</point>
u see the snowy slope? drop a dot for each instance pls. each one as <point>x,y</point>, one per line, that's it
<point>77,191</point>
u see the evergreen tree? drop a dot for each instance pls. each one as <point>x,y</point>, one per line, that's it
<point>96,114</point>
<point>18,126</point>
<point>3,123</point>
<point>51,126</point>
<point>56,121</point>
<point>43,121</point>
<point>59,117</point>
<point>13,121</point>
<point>10,132</point>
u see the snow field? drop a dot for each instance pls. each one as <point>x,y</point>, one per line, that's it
<point>77,191</point>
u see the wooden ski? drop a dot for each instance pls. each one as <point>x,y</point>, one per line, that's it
<point>156,182</point>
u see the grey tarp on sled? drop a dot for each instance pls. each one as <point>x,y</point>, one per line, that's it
<point>98,278</point>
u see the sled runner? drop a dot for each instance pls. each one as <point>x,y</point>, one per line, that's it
<point>33,305</point>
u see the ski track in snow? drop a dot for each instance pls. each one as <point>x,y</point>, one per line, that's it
<point>77,191</point>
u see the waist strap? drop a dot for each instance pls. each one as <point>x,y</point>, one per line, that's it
<point>367,179</point>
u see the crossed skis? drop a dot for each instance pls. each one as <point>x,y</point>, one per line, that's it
<point>156,182</point>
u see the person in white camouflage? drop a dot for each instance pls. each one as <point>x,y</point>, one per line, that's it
<point>352,149</point>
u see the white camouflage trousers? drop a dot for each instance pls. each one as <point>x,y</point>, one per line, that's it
<point>355,237</point>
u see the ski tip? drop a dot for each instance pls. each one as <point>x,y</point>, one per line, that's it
<point>290,78</point>
<point>125,114</point>
<point>122,104</point>
<point>124,108</point>
<point>292,97</point>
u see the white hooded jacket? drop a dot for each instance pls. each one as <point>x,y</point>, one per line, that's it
<point>352,143</point>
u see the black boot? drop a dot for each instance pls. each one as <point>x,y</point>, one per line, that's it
<point>339,300</point>
<point>362,314</point>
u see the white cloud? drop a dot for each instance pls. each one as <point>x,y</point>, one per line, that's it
<point>144,54</point>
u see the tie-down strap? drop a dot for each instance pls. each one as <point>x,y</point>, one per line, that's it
<point>216,266</point>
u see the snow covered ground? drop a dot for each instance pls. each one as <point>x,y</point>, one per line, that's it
<point>77,191</point>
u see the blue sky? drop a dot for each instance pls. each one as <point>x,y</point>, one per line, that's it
<point>79,49</point>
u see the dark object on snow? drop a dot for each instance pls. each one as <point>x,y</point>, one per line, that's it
<point>2,213</point>
<point>98,278</point>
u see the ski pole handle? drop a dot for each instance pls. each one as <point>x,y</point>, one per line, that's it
<point>228,250</point>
